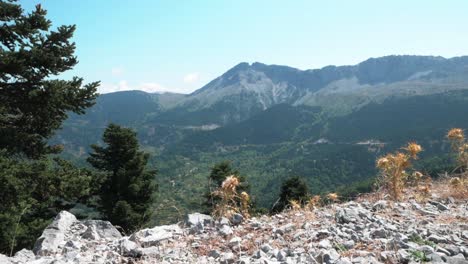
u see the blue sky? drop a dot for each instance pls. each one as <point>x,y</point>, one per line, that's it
<point>180,45</point>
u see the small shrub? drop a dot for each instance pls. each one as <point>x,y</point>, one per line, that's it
<point>230,201</point>
<point>420,241</point>
<point>333,197</point>
<point>295,205</point>
<point>419,256</point>
<point>459,187</point>
<point>393,169</point>
<point>294,188</point>
<point>459,147</point>
<point>314,202</point>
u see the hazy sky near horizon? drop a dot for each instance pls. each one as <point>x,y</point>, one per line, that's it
<point>180,46</point>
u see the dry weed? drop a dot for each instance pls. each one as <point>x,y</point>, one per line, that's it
<point>230,201</point>
<point>393,169</point>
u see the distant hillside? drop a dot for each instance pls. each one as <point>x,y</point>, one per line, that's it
<point>247,89</point>
<point>327,125</point>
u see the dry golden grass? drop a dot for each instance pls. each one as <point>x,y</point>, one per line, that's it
<point>456,134</point>
<point>459,147</point>
<point>455,187</point>
<point>230,201</point>
<point>333,197</point>
<point>393,168</point>
<point>314,202</point>
<point>295,205</point>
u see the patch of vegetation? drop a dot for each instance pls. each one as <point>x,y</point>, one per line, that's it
<point>420,241</point>
<point>393,169</point>
<point>419,256</point>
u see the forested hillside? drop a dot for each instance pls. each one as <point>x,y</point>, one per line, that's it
<point>326,125</point>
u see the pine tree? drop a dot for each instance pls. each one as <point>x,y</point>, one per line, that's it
<point>32,193</point>
<point>126,193</point>
<point>292,189</point>
<point>34,104</point>
<point>220,172</point>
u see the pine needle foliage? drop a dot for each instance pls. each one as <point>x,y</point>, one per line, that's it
<point>293,189</point>
<point>34,104</point>
<point>127,191</point>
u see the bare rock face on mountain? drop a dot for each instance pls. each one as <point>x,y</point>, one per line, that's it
<point>354,232</point>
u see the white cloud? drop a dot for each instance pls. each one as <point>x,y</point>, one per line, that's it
<point>152,87</point>
<point>191,77</point>
<point>114,87</point>
<point>117,71</point>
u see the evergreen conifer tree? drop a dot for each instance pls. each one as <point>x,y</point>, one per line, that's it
<point>127,191</point>
<point>294,188</point>
<point>34,104</point>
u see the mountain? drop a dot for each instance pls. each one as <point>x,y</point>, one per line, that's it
<point>248,89</point>
<point>327,125</point>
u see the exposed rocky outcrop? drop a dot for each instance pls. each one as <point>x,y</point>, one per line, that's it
<point>353,232</point>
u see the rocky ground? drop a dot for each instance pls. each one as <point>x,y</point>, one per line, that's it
<point>363,231</point>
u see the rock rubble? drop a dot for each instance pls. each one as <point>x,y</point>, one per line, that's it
<point>352,232</point>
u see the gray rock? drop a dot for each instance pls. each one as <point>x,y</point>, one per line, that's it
<point>464,251</point>
<point>285,228</point>
<point>344,260</point>
<point>439,206</point>
<point>97,229</point>
<point>197,222</point>
<point>223,221</point>
<point>214,254</point>
<point>23,256</point>
<point>243,260</point>
<point>128,248</point>
<point>323,233</point>
<point>437,239</point>
<point>259,254</point>
<point>148,252</point>
<point>72,245</point>
<point>266,248</point>
<point>347,215</point>
<point>325,243</point>
<point>235,241</point>
<point>465,234</point>
<point>434,257</point>
<point>417,207</point>
<point>225,230</point>
<point>328,256</point>
<point>426,249</point>
<point>154,236</point>
<point>4,259</point>
<point>452,249</point>
<point>458,259</point>
<point>403,256</point>
<point>443,251</point>
<point>379,205</point>
<point>236,219</point>
<point>281,255</point>
<point>349,244</point>
<point>379,233</point>
<point>228,258</point>
<point>53,237</point>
